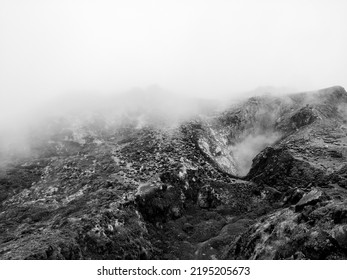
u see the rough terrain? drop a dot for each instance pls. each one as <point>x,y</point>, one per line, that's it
<point>263,179</point>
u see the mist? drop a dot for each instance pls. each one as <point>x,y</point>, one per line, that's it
<point>25,125</point>
<point>74,58</point>
<point>195,48</point>
<point>246,150</point>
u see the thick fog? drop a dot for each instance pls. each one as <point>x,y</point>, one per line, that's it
<point>203,48</point>
<point>63,56</point>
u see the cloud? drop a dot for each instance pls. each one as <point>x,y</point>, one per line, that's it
<point>245,151</point>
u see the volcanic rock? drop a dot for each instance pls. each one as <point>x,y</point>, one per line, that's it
<point>262,179</point>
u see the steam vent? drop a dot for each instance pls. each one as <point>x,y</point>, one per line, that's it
<point>263,179</point>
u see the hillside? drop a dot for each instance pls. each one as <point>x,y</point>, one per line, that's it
<point>263,179</point>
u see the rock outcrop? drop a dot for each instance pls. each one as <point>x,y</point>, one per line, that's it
<point>264,179</point>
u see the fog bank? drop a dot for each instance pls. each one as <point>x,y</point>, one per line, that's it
<point>196,48</point>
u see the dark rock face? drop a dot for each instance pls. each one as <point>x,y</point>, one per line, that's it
<point>266,179</point>
<point>313,197</point>
<point>285,234</point>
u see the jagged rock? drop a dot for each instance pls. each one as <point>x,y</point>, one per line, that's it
<point>339,233</point>
<point>311,198</point>
<point>207,197</point>
<point>285,234</point>
<point>293,196</point>
<point>214,247</point>
<point>160,205</point>
<point>264,179</point>
<point>279,168</point>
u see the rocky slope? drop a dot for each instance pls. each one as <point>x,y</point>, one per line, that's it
<point>264,179</point>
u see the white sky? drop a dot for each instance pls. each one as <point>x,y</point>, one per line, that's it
<point>202,47</point>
